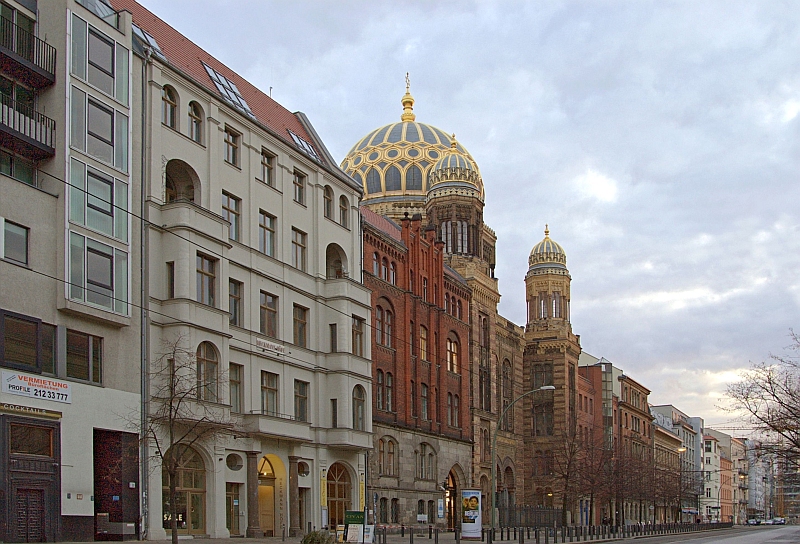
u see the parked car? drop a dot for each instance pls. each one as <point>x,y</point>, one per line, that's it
<point>779,521</point>
<point>769,522</point>
<point>753,521</point>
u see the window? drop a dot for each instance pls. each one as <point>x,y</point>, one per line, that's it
<point>375,264</point>
<point>231,211</point>
<point>196,122</point>
<point>299,249</point>
<point>379,391</point>
<point>385,269</point>
<point>98,201</point>
<point>299,187</point>
<point>268,168</point>
<point>413,399</point>
<point>84,357</point>
<point>266,233</point>
<point>395,510</point>
<point>207,366</point>
<point>269,393</point>
<point>456,412</point>
<point>232,139</point>
<point>268,315</point>
<point>390,462</point>
<point>300,400</point>
<point>98,274</point>
<point>424,401</point>
<point>169,107</point>
<point>334,338</point>
<point>99,130</point>
<point>327,202</point>
<point>99,60</point>
<point>171,279</point>
<point>206,279</point>
<point>334,413</point>
<point>26,343</point>
<point>235,302</point>
<point>393,273</point>
<point>15,242</point>
<point>452,355</point>
<point>300,316</point>
<point>450,416</point>
<point>358,336</point>
<point>425,289</point>
<point>235,375</point>
<point>344,211</point>
<point>389,392</point>
<point>383,516</point>
<point>228,90</point>
<point>359,408</point>
<point>17,168</point>
<point>423,343</point>
<point>30,439</point>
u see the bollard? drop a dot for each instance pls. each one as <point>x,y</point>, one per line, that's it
<point>402,531</point>
<point>436,536</point>
<point>283,533</point>
<point>411,534</point>
<point>458,536</point>
<point>483,531</point>
<point>430,532</point>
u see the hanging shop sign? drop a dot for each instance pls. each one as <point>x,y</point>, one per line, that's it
<point>36,387</point>
<point>18,409</point>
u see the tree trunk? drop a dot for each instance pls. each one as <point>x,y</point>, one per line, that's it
<point>173,506</point>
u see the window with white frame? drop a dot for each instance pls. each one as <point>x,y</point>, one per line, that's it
<point>232,212</point>
<point>98,60</point>
<point>299,182</point>
<point>299,242</point>
<point>13,242</point>
<point>266,233</point>
<point>196,122</point>
<point>99,130</point>
<point>268,167</point>
<point>98,201</point>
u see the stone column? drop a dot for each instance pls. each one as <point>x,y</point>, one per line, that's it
<point>253,521</point>
<point>294,499</point>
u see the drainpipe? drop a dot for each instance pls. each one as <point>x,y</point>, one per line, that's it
<point>144,451</point>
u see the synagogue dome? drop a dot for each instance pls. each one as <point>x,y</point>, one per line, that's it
<point>394,162</point>
<point>547,257</point>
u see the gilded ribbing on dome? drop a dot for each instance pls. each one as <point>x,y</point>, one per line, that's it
<point>453,172</point>
<point>547,256</point>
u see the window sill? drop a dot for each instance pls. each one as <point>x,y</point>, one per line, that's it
<point>99,161</point>
<point>335,222</point>
<point>236,166</point>
<point>82,309</point>
<point>185,136</point>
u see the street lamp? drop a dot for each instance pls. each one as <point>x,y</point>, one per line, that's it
<point>494,442</point>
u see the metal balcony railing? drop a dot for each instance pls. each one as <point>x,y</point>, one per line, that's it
<point>24,121</point>
<point>15,39</point>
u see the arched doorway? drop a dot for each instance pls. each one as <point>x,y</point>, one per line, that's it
<point>266,496</point>
<point>190,493</point>
<point>452,500</point>
<point>339,494</point>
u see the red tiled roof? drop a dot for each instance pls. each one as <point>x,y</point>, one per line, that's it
<point>381,223</point>
<point>188,57</point>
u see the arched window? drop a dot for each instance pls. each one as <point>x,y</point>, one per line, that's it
<point>392,176</point>
<point>413,178</point>
<point>378,325</point>
<point>339,494</point>
<point>452,355</point>
<point>385,269</point>
<point>344,211</point>
<point>458,309</point>
<point>447,302</point>
<point>423,343</point>
<point>375,264</point>
<point>453,305</point>
<point>191,489</point>
<point>389,387</point>
<point>456,412</point>
<point>373,181</point>
<point>379,390</point>
<point>169,106</point>
<point>450,418</point>
<point>383,516</point>
<point>556,304</point>
<point>395,510</point>
<point>381,456</point>
<point>486,445</point>
<point>196,122</point>
<point>207,369</point>
<point>390,459</point>
<point>359,408</point>
<point>393,273</point>
<point>327,202</point>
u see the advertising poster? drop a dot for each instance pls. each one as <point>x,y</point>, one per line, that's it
<point>471,521</point>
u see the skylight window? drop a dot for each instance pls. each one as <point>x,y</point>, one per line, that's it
<point>306,147</point>
<point>228,90</point>
<point>148,40</point>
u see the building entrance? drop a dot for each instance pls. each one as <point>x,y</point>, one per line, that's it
<point>190,494</point>
<point>266,497</point>
<point>232,508</point>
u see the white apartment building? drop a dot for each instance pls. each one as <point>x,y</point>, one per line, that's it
<point>69,322</point>
<point>710,499</point>
<point>252,244</point>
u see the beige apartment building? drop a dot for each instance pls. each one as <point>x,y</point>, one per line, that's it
<point>69,317</point>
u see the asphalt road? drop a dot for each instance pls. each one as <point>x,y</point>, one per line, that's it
<point>738,535</point>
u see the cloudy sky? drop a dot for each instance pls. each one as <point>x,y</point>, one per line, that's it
<point>659,140</point>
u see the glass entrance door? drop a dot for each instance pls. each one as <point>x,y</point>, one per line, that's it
<point>232,508</point>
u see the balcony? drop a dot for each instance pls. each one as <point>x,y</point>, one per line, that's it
<point>26,131</point>
<point>25,57</point>
<point>280,426</point>
<point>346,439</point>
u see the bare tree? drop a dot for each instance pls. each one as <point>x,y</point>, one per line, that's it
<point>595,471</point>
<point>769,396</point>
<point>184,410</point>
<point>566,466</point>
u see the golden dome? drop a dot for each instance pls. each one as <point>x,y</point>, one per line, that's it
<point>547,257</point>
<point>454,173</point>
<point>393,162</point>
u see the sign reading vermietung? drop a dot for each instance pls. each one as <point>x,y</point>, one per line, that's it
<point>37,387</point>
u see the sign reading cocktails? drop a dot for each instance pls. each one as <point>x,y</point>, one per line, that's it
<point>36,387</point>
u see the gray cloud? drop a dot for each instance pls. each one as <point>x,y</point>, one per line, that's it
<point>658,139</point>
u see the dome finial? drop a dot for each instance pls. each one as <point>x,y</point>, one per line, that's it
<point>408,103</point>
<point>546,230</point>
<point>453,143</point>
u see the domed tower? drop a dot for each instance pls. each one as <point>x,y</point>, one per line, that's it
<point>550,359</point>
<point>393,163</point>
<point>547,286</point>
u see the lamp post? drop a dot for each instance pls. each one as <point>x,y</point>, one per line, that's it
<point>680,451</point>
<point>494,442</point>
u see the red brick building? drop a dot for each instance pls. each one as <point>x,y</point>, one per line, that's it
<point>420,352</point>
